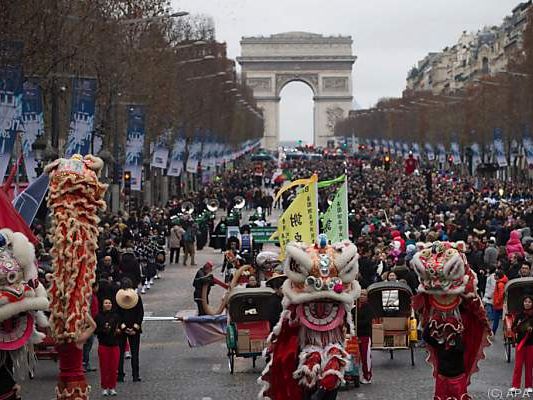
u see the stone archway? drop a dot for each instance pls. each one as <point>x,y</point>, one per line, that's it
<point>324,63</point>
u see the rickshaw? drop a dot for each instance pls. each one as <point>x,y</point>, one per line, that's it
<point>515,290</point>
<point>392,328</point>
<point>251,313</point>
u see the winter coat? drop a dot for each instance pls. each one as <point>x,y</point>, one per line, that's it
<point>490,256</point>
<point>489,289</point>
<point>497,299</point>
<point>514,245</point>
<point>176,235</point>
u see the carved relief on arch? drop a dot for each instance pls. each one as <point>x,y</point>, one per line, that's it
<point>310,79</point>
<point>334,114</point>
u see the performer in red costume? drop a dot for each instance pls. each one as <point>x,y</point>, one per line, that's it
<point>456,328</point>
<point>410,164</point>
<point>307,358</point>
<point>75,198</point>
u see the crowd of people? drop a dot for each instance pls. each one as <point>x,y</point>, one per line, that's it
<point>390,213</point>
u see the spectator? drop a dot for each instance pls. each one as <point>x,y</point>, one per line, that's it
<point>175,243</point>
<point>497,300</point>
<point>108,331</point>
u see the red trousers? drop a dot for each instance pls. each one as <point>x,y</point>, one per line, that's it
<point>108,356</point>
<point>523,358</point>
<point>451,388</point>
<point>366,357</point>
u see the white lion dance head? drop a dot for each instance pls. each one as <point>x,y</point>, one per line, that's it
<point>22,300</point>
<point>319,295</point>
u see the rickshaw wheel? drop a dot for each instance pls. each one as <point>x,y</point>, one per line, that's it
<point>231,361</point>
<point>508,350</point>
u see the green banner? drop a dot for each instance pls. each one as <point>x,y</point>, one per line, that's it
<point>335,219</point>
<point>325,184</point>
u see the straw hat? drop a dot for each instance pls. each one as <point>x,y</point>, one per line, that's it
<point>127,298</point>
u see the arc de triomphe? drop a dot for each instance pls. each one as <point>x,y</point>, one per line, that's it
<point>324,63</point>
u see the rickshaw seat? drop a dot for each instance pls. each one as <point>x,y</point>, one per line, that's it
<point>258,329</point>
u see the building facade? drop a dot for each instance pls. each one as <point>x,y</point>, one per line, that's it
<point>475,55</point>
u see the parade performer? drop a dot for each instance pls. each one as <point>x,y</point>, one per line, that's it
<point>75,198</point>
<point>22,302</point>
<point>307,358</point>
<point>456,328</point>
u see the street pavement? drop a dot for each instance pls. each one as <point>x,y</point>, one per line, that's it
<point>171,370</point>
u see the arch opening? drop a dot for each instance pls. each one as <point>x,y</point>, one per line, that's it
<point>296,113</point>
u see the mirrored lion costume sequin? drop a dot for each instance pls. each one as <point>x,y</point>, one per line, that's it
<point>306,351</point>
<point>22,302</point>
<point>456,328</point>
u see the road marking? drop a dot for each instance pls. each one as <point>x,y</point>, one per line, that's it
<point>216,367</point>
<point>207,398</point>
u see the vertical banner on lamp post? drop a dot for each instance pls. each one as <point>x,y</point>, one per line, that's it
<point>177,156</point>
<point>476,155</point>
<point>10,99</point>
<point>160,154</point>
<point>429,152</point>
<point>456,153</point>
<point>499,148</point>
<point>195,152</point>
<point>527,144</point>
<point>82,112</point>
<point>33,124</point>
<point>441,150</point>
<point>135,144</point>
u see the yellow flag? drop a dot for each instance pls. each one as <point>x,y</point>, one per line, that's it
<point>299,222</point>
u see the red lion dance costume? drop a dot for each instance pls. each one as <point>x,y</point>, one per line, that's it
<point>22,302</point>
<point>456,328</point>
<point>307,358</point>
<point>74,200</point>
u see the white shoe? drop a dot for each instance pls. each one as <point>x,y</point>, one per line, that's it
<point>152,281</point>
<point>105,392</point>
<point>112,392</point>
<point>529,390</point>
<point>127,355</point>
<point>513,390</point>
<point>148,287</point>
<point>143,290</point>
<point>364,381</point>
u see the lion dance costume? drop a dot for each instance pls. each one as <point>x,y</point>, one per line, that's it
<point>75,197</point>
<point>22,302</point>
<point>456,328</point>
<point>307,358</point>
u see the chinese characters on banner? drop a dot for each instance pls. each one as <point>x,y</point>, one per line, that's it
<point>335,219</point>
<point>299,222</point>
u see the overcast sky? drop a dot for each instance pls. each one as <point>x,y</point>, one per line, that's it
<point>389,36</point>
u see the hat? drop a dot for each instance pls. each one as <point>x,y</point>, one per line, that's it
<point>127,298</point>
<point>209,263</point>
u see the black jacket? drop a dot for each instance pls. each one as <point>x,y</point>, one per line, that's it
<point>107,323</point>
<point>131,317</point>
<point>520,326</point>
<point>364,319</point>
